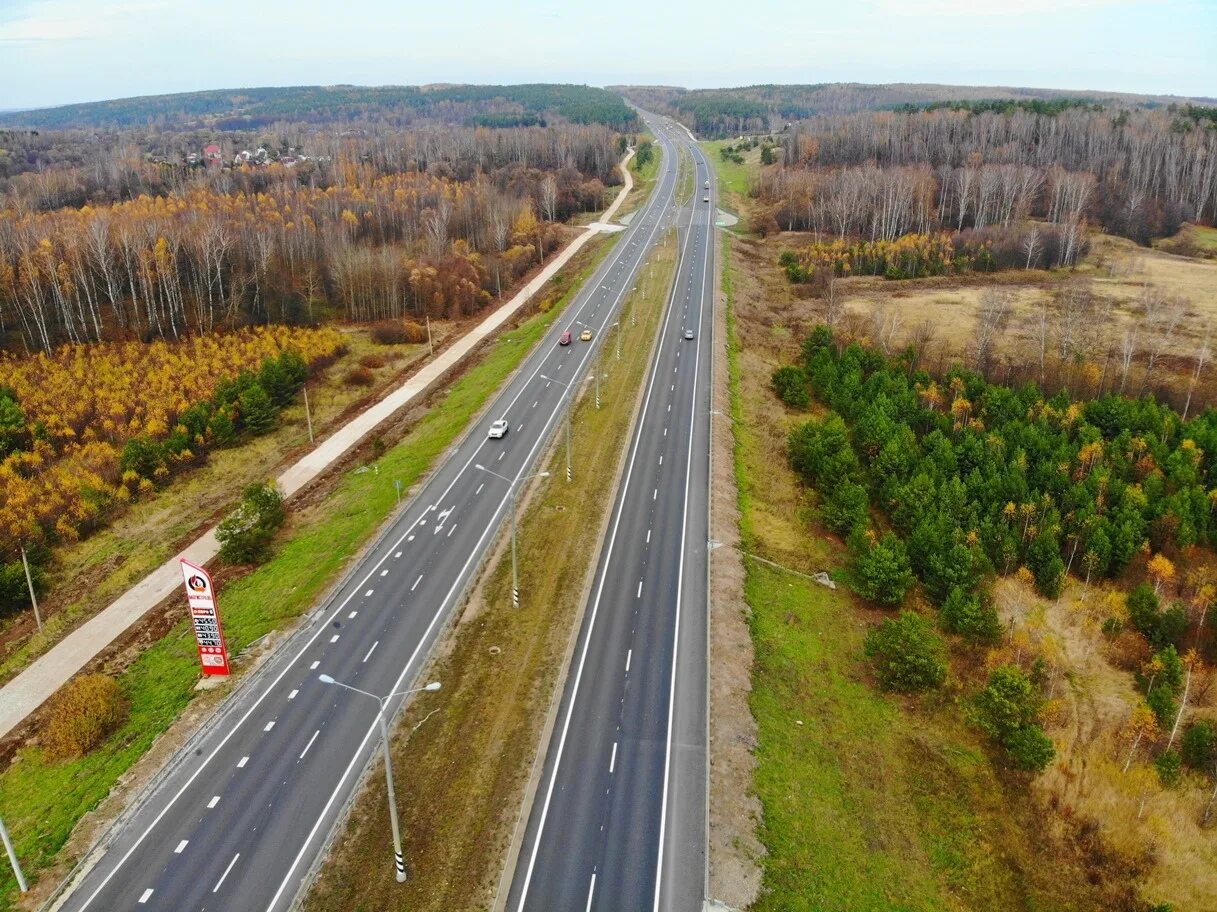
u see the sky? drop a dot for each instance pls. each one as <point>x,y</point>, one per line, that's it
<point>62,51</point>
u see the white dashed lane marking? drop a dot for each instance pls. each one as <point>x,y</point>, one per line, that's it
<point>372,650</point>
<point>292,695</point>
<point>214,801</point>
<point>416,582</point>
<point>269,725</point>
<point>241,763</point>
<point>310,743</point>
<point>181,847</point>
<point>144,896</point>
<point>220,882</point>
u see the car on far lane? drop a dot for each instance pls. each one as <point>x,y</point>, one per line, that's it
<point>565,338</point>
<point>585,336</point>
<point>688,334</point>
<point>498,429</point>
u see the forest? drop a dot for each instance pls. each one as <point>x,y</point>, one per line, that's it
<point>395,105</point>
<point>89,428</point>
<point>727,113</point>
<point>379,226</point>
<point>944,484</point>
<point>1137,173</point>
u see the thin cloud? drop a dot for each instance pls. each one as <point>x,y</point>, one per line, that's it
<point>53,21</point>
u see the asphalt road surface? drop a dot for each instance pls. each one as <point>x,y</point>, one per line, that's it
<point>245,809</point>
<point>618,823</point>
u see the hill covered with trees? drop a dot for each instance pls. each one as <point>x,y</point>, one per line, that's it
<point>468,105</point>
<point>718,113</point>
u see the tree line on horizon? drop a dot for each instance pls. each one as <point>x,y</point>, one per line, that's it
<point>1136,173</point>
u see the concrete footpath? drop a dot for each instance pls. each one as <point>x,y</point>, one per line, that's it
<point>26,692</point>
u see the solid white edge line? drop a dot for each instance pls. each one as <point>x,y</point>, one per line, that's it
<point>680,573</point>
<point>439,613</point>
<point>406,535</point>
<point>549,791</point>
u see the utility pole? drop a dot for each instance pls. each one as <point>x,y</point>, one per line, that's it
<point>430,347</point>
<point>308,414</point>
<point>12,858</point>
<point>29,581</point>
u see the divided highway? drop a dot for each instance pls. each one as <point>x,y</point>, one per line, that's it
<point>618,823</point>
<point>244,811</point>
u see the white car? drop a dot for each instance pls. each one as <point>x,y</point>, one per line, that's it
<point>498,429</point>
<point>688,334</point>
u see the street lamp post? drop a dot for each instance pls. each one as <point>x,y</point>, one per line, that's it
<point>570,404</point>
<point>399,859</point>
<point>514,487</point>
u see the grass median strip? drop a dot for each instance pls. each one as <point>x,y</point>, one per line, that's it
<point>473,757</point>
<point>42,802</point>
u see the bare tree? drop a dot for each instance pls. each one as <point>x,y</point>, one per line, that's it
<point>991,321</point>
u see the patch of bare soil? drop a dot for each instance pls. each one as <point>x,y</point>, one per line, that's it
<point>734,809</point>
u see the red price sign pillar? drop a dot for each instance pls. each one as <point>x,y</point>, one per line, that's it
<point>205,616</point>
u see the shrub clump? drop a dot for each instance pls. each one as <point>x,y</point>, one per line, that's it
<point>359,376</point>
<point>907,653</point>
<point>790,384</point>
<point>1007,710</point>
<point>86,711</point>
<point>398,332</point>
<point>246,533</point>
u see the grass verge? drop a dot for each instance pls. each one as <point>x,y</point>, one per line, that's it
<point>473,756</point>
<point>736,179</point>
<point>869,802</point>
<point>42,801</point>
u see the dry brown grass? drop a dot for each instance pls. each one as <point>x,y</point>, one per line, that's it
<point>889,803</point>
<point>889,313</point>
<point>1090,703</point>
<point>499,667</point>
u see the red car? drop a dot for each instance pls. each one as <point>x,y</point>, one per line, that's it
<point>565,340</point>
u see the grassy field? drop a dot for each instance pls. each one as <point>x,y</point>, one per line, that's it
<point>473,757</point>
<point>735,179</point>
<point>152,529</point>
<point>1192,240</point>
<point>42,802</point>
<point>869,802</point>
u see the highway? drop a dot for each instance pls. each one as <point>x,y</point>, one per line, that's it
<point>618,822</point>
<point>244,810</point>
